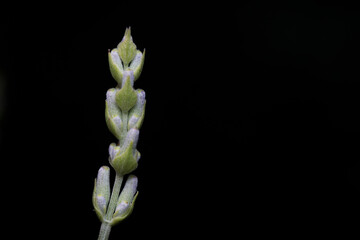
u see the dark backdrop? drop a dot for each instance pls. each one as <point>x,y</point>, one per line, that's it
<point>251,121</point>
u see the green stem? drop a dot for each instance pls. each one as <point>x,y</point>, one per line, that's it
<point>105,226</point>
<point>114,197</point>
<point>104,231</point>
<point>124,129</point>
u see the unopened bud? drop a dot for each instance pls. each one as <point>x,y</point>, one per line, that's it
<point>124,159</point>
<point>137,64</point>
<point>115,64</point>
<point>101,194</point>
<point>113,113</point>
<point>126,200</point>
<point>137,113</point>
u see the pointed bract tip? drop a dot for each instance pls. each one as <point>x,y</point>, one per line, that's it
<point>127,32</point>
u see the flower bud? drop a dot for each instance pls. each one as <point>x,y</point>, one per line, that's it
<point>101,194</point>
<point>115,64</point>
<point>124,158</point>
<point>113,150</point>
<point>129,190</point>
<point>126,97</point>
<point>137,64</point>
<point>137,113</point>
<point>126,200</point>
<point>113,113</point>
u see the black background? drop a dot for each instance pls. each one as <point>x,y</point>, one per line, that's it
<point>251,121</point>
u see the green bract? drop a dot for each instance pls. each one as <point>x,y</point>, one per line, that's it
<point>126,97</point>
<point>127,48</point>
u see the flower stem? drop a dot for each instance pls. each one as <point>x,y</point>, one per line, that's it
<point>104,231</point>
<point>105,226</point>
<point>114,197</point>
<point>124,129</point>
